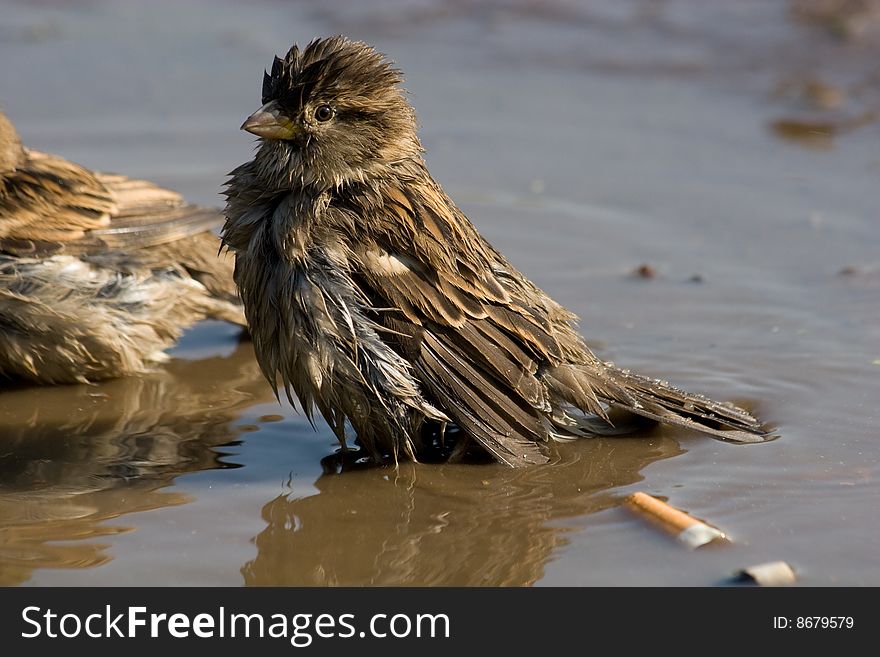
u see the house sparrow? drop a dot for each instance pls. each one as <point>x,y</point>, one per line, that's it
<point>99,273</point>
<point>372,297</point>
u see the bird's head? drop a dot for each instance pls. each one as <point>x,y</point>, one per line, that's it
<point>332,113</point>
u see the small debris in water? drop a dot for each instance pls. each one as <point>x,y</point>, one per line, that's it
<point>271,418</point>
<point>696,278</point>
<point>690,531</point>
<point>812,133</point>
<point>645,271</point>
<point>247,428</point>
<point>772,573</point>
<point>819,132</point>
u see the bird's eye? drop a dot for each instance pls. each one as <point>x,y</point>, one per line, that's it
<point>324,113</point>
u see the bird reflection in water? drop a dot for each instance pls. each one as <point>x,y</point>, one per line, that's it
<point>447,525</point>
<point>73,458</point>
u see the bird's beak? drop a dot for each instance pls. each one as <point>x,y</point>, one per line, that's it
<point>270,123</point>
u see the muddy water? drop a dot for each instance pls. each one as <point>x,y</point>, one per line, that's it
<point>731,150</point>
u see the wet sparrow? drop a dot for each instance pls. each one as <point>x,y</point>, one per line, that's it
<point>371,296</point>
<point>98,273</point>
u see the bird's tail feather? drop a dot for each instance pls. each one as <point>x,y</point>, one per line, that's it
<point>660,401</point>
<point>649,398</point>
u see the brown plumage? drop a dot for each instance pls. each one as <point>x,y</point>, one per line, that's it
<point>99,273</point>
<point>371,296</point>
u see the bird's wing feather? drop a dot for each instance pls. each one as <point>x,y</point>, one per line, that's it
<point>476,347</point>
<point>51,205</point>
<point>149,215</point>
<point>50,199</point>
<point>471,390</point>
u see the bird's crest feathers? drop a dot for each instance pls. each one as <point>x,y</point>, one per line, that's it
<point>334,65</point>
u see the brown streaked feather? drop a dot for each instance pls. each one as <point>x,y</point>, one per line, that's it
<point>155,229</point>
<point>148,215</point>
<point>499,339</point>
<point>419,292</point>
<point>570,384</point>
<point>466,302</point>
<point>665,403</point>
<point>512,370</point>
<point>482,286</point>
<point>47,198</point>
<point>404,208</point>
<point>134,197</point>
<point>472,390</point>
<point>477,404</point>
<point>49,205</point>
<point>532,336</point>
<point>411,222</point>
<point>488,389</point>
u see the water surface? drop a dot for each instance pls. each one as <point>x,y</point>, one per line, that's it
<point>584,143</point>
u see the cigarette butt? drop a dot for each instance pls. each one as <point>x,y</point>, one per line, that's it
<point>687,529</point>
<point>772,573</point>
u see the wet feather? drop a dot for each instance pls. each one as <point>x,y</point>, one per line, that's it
<point>99,273</point>
<point>403,316</point>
